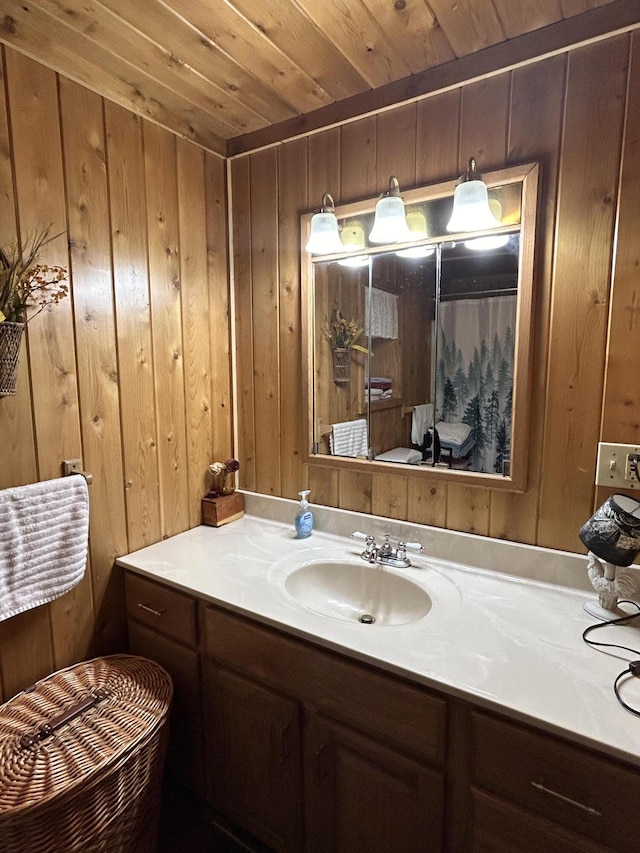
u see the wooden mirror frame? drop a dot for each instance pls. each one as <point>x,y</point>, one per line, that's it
<point>516,479</point>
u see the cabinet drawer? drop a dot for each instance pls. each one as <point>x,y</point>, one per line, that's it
<point>165,610</point>
<point>574,787</point>
<point>380,704</point>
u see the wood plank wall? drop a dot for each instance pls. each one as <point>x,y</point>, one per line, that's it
<point>578,114</point>
<point>132,373</point>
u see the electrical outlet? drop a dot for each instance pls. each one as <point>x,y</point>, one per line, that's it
<point>617,466</point>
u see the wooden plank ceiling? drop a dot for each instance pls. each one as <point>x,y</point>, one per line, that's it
<point>218,70</point>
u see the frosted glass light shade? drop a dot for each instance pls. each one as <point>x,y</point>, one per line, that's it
<point>486,244</point>
<point>416,252</point>
<point>352,236</point>
<point>390,224</point>
<point>324,237</point>
<point>471,211</point>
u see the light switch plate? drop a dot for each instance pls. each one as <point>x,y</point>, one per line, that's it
<point>618,465</point>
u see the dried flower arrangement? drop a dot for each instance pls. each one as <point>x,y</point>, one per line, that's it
<point>26,284</point>
<point>220,472</point>
<point>344,333</point>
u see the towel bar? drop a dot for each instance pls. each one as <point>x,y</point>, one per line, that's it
<point>74,466</point>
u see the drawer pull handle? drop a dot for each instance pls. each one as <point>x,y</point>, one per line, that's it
<point>540,787</point>
<point>150,609</point>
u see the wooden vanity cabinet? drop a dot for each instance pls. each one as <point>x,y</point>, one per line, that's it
<point>312,752</point>
<point>163,626</point>
<point>530,792</point>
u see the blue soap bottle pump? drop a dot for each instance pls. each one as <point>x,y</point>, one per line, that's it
<point>304,517</point>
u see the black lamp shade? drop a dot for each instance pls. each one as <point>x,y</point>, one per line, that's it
<point>613,531</point>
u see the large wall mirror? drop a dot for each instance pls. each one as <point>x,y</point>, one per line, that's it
<point>418,355</point>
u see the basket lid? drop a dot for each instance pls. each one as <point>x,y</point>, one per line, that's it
<point>75,723</point>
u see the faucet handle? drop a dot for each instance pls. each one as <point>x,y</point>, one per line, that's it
<point>358,535</point>
<point>413,546</point>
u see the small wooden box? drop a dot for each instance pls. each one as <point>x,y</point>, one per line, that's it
<point>223,509</point>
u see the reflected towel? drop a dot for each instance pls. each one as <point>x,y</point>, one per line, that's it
<point>44,529</point>
<point>349,438</point>
<point>421,420</point>
<point>381,320</point>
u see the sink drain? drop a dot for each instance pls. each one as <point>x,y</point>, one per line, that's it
<point>366,619</point>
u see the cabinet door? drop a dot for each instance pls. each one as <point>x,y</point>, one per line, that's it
<point>253,757</point>
<point>185,754</point>
<point>501,827</point>
<point>362,797</point>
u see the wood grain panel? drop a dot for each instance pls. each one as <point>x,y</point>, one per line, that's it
<point>194,289</point>
<point>16,426</point>
<point>534,135</point>
<point>35,124</point>
<point>292,202</point>
<point>31,30</point>
<point>244,322</point>
<point>87,379</point>
<point>621,417</point>
<point>587,189</point>
<point>166,311</point>
<point>133,325</point>
<point>265,296</point>
<point>219,325</point>
<point>95,337</point>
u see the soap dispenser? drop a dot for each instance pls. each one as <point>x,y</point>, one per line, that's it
<point>304,517</point>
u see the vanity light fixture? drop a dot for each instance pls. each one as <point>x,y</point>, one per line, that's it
<point>324,236</point>
<point>390,224</point>
<point>491,241</point>
<point>417,224</point>
<point>471,210</point>
<point>612,536</point>
<point>352,237</point>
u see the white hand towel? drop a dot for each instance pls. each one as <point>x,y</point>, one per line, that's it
<point>421,420</point>
<point>349,438</point>
<point>44,529</point>
<point>382,319</point>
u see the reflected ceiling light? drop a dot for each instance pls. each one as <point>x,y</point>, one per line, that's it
<point>471,211</point>
<point>417,224</point>
<point>352,236</point>
<point>492,241</point>
<point>324,237</point>
<point>390,224</point>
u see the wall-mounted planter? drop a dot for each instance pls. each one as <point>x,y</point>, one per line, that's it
<point>10,340</point>
<point>341,365</point>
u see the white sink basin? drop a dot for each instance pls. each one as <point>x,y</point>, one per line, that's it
<point>357,592</point>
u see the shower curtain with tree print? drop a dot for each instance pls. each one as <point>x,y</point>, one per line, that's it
<point>474,382</point>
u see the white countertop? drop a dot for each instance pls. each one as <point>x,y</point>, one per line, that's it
<point>507,642</point>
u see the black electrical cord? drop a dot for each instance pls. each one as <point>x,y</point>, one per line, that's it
<point>634,666</point>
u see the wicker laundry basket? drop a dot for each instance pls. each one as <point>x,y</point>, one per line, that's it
<point>81,756</point>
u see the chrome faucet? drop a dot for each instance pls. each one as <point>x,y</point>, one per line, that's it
<point>386,554</point>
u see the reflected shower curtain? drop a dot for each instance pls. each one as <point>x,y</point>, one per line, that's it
<point>474,380</point>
